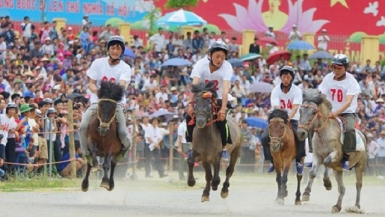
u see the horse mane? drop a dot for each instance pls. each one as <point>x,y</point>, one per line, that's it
<point>204,87</point>
<point>110,90</point>
<point>315,96</point>
<point>279,113</point>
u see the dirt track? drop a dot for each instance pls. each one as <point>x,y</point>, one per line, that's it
<point>250,195</point>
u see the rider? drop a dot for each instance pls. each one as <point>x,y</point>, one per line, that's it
<point>342,90</point>
<point>111,69</point>
<point>214,68</point>
<point>288,97</point>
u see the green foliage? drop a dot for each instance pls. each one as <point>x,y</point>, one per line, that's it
<point>185,4</point>
<point>153,16</point>
<point>356,37</point>
<point>382,39</point>
<point>114,22</point>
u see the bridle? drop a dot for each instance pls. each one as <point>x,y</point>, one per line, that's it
<point>105,124</point>
<point>214,108</point>
<point>310,124</point>
<point>275,120</point>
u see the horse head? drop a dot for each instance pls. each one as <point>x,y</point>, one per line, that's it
<point>311,112</point>
<point>205,96</point>
<point>278,120</point>
<point>109,94</point>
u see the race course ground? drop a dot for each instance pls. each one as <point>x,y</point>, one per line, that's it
<point>250,195</point>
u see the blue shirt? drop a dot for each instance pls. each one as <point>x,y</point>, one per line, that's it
<point>61,166</point>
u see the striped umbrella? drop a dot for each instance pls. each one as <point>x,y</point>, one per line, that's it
<point>180,18</point>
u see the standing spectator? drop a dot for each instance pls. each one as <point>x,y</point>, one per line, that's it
<point>206,40</point>
<point>27,27</point>
<point>44,32</point>
<point>323,40</point>
<point>254,48</point>
<point>233,46</point>
<point>187,43</point>
<point>295,35</point>
<point>53,32</point>
<point>159,41</point>
<point>107,33</point>
<point>373,149</point>
<point>380,159</point>
<point>270,32</point>
<point>183,147</point>
<point>86,22</point>
<point>197,42</point>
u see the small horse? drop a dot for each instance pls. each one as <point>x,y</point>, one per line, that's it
<point>283,150</point>
<point>327,147</point>
<point>103,139</point>
<point>207,142</point>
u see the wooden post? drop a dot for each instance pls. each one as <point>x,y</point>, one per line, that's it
<point>71,137</point>
<point>171,157</point>
<point>134,159</point>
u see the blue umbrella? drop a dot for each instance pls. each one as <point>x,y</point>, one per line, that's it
<point>180,18</point>
<point>235,62</point>
<point>256,122</point>
<point>250,56</point>
<point>300,45</point>
<point>128,53</point>
<point>321,55</point>
<point>176,62</point>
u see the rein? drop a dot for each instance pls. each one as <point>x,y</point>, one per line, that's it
<point>284,132</point>
<point>104,124</point>
<point>308,125</point>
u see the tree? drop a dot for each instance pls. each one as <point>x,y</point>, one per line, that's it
<point>185,4</point>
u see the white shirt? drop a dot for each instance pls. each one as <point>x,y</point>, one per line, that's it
<point>273,50</point>
<point>159,41</point>
<point>182,128</point>
<point>27,29</point>
<point>3,50</point>
<point>160,94</point>
<point>147,132</point>
<point>295,35</point>
<point>8,124</point>
<point>323,42</point>
<point>101,70</point>
<point>337,91</point>
<point>270,34</point>
<point>201,70</point>
<point>286,100</point>
<point>35,136</point>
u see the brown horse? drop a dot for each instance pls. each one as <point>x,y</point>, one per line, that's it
<point>207,142</point>
<point>103,139</point>
<point>283,151</point>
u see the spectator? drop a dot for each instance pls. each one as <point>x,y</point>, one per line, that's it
<point>323,40</point>
<point>254,48</point>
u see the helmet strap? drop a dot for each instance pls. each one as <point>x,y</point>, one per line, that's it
<point>211,62</point>
<point>112,59</point>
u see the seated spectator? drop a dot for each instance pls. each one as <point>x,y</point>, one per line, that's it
<point>65,168</point>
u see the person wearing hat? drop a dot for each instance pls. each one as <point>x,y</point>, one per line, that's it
<point>288,97</point>
<point>48,48</point>
<point>118,72</point>
<point>342,90</point>
<point>8,127</point>
<point>323,40</point>
<point>295,34</point>
<point>154,136</point>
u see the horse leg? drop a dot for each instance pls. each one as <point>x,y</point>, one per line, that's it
<point>312,175</point>
<point>190,178</point>
<point>341,190</point>
<point>359,168</point>
<point>326,179</point>
<point>209,177</point>
<point>298,192</point>
<point>95,163</point>
<point>106,166</point>
<point>85,182</point>
<point>229,171</point>
<point>111,182</point>
<point>278,178</point>
<point>285,172</point>
<point>216,179</point>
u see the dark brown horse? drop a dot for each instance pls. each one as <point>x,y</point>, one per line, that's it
<point>103,139</point>
<point>283,151</point>
<point>207,142</point>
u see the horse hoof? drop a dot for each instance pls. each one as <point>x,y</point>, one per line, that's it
<point>105,185</point>
<point>85,186</point>
<point>205,198</point>
<point>305,197</point>
<point>110,189</point>
<point>191,182</point>
<point>224,194</point>
<point>298,202</point>
<point>95,169</point>
<point>355,209</point>
<point>214,188</point>
<point>84,189</point>
<point>280,201</point>
<point>336,209</point>
<point>286,193</point>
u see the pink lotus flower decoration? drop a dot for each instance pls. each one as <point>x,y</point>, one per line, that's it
<point>251,18</point>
